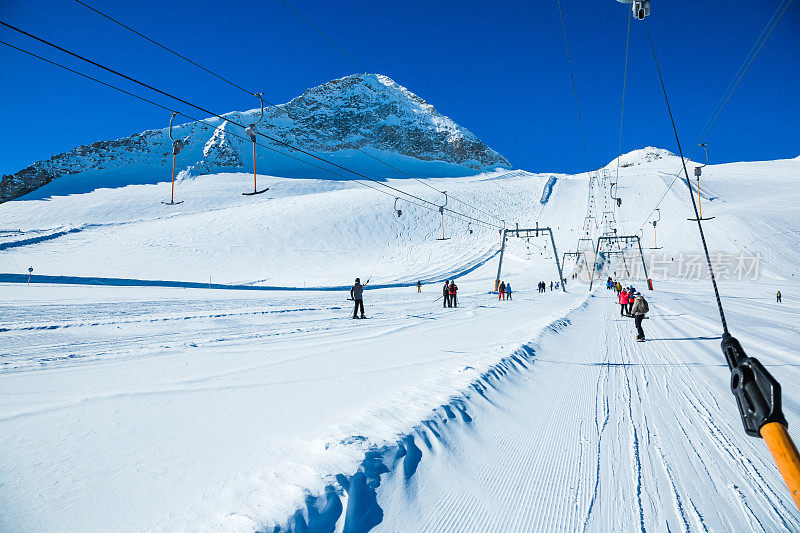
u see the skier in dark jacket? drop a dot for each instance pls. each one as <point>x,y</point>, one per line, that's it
<point>778,297</point>
<point>446,293</point>
<point>640,308</point>
<point>501,295</point>
<point>419,286</point>
<point>357,295</point>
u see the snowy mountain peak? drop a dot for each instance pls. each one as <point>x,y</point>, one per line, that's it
<point>351,120</point>
<point>641,156</point>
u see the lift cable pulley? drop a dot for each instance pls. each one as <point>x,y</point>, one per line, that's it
<point>441,212</point>
<point>251,131</point>
<point>698,171</point>
<point>655,234</point>
<point>177,146</point>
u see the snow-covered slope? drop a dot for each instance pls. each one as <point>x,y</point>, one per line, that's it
<point>367,112</point>
<point>322,233</point>
<point>231,410</point>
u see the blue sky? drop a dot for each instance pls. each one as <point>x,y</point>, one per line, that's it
<point>497,68</point>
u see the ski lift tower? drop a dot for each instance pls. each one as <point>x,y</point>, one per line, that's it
<point>626,240</point>
<point>526,233</point>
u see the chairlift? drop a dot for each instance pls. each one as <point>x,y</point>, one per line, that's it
<point>177,146</point>
<point>441,212</point>
<point>469,227</point>
<point>640,8</point>
<point>397,209</point>
<point>698,171</point>
<point>251,131</point>
<point>655,235</point>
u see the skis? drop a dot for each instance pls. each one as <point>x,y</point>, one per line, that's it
<point>172,203</point>
<point>255,192</point>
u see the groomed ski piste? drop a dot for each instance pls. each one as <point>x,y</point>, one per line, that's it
<point>196,367</point>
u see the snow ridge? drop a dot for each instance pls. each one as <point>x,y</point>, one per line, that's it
<point>358,492</point>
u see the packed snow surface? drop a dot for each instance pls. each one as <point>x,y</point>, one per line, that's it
<point>163,408</point>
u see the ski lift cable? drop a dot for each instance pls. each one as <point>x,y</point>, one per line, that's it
<point>734,83</point>
<point>204,110</point>
<point>622,107</point>
<point>209,71</point>
<point>384,88</point>
<point>206,125</point>
<point>574,88</point>
<point>195,120</point>
<point>689,185</point>
<point>748,60</point>
<point>90,77</point>
<point>171,51</point>
<point>757,392</point>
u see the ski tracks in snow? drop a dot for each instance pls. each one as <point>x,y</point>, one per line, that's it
<point>598,433</point>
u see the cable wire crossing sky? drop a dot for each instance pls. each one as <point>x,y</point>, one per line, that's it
<point>510,85</point>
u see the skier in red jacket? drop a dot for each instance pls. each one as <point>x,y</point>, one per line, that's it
<point>623,302</point>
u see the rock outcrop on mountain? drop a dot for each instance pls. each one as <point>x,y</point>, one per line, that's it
<point>346,120</point>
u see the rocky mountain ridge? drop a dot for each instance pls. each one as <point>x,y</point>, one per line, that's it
<point>341,118</point>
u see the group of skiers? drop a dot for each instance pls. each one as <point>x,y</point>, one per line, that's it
<point>504,291</point>
<point>450,294</point>
<point>632,303</point>
<point>553,285</point>
<point>613,285</point>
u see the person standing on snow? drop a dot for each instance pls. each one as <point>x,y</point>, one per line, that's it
<point>623,302</point>
<point>446,293</point>
<point>502,294</point>
<point>551,285</point>
<point>453,294</point>
<point>508,291</point>
<point>419,286</point>
<point>357,295</point>
<point>640,308</point>
<point>778,296</point>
